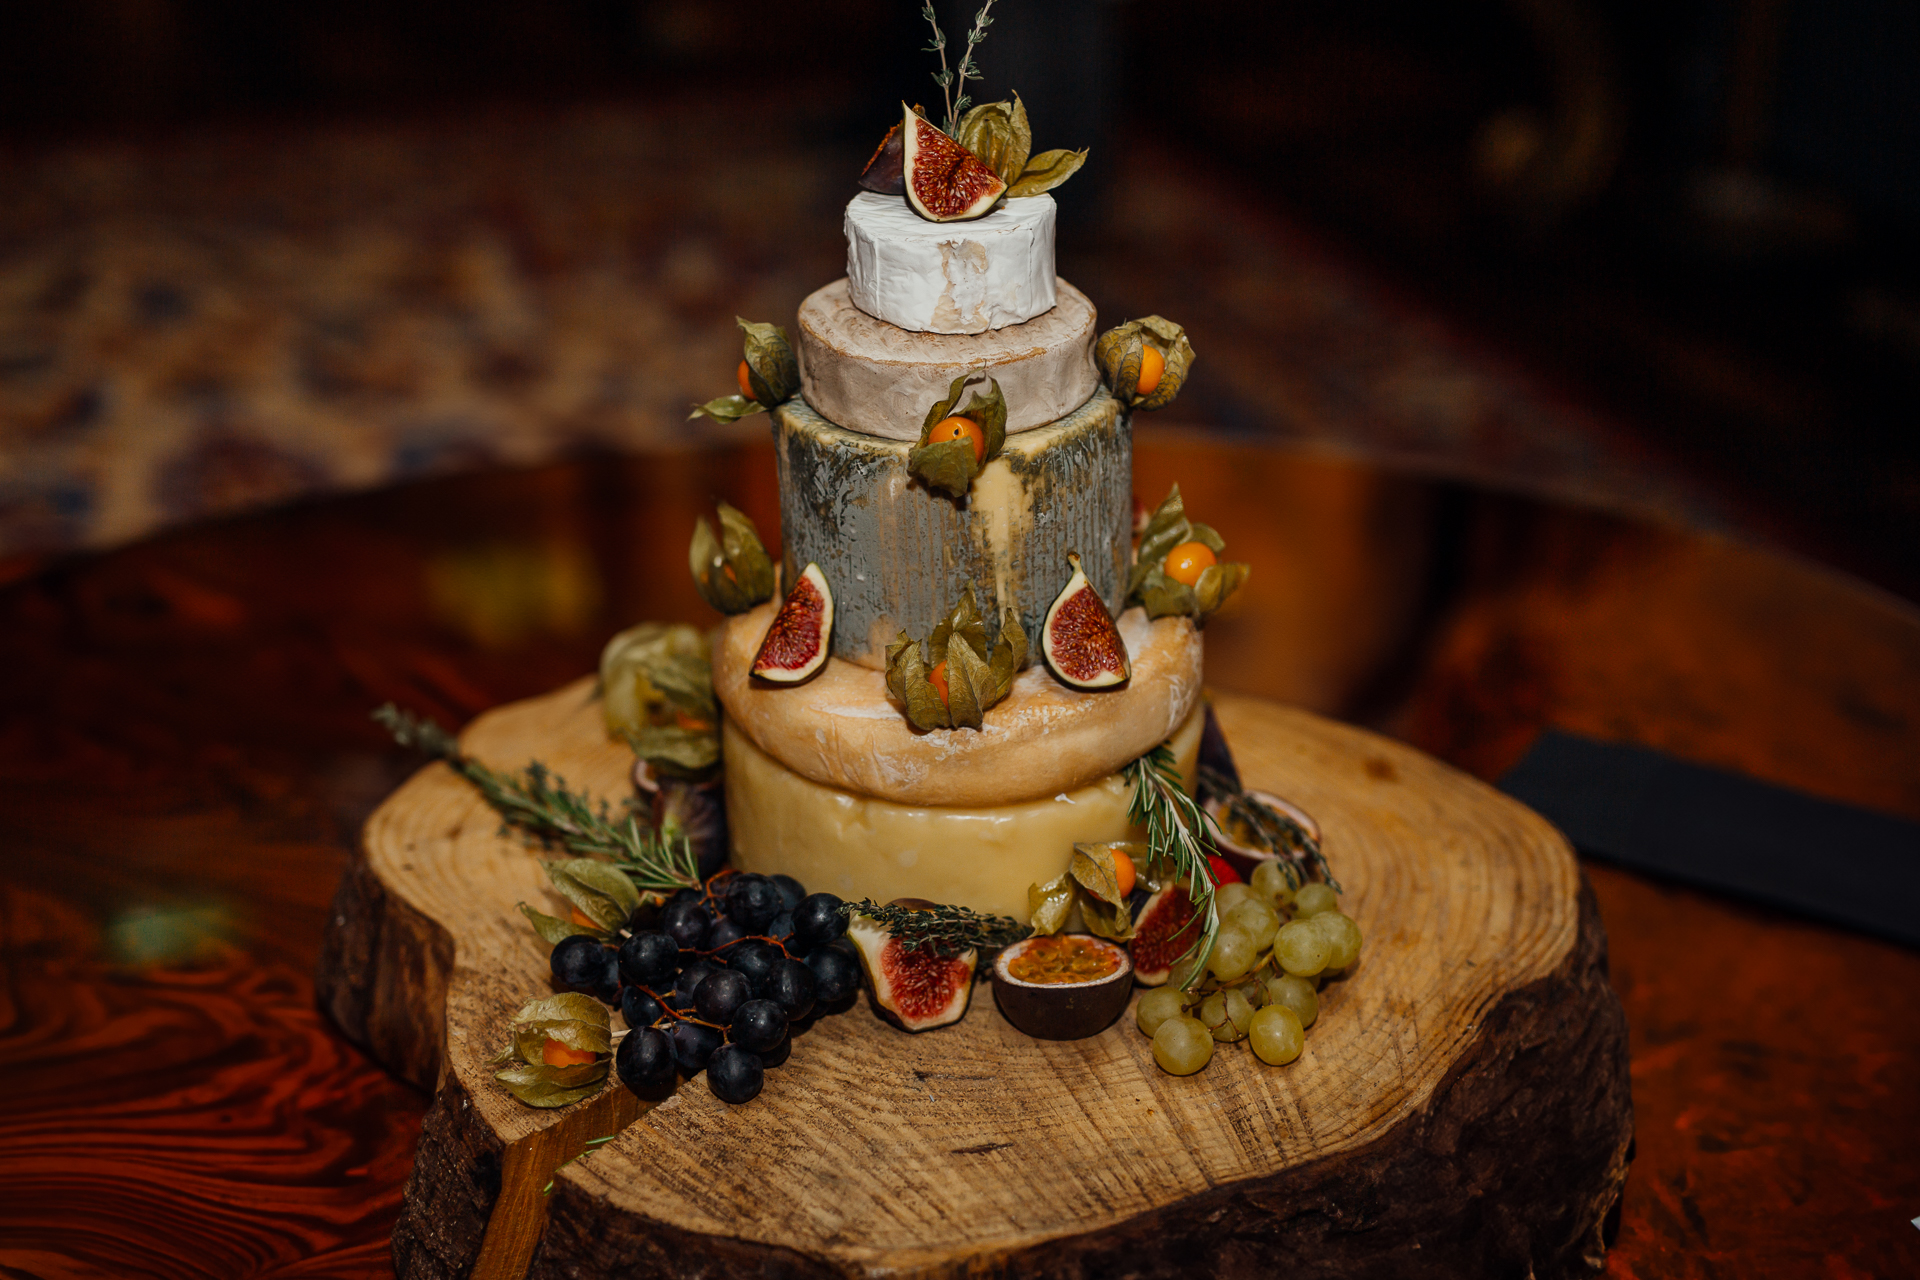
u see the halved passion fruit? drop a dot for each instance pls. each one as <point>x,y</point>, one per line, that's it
<point>1244,849</point>
<point>1065,986</point>
<point>945,182</point>
<point>800,634</point>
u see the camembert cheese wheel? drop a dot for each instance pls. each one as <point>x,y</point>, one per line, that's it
<point>950,277</point>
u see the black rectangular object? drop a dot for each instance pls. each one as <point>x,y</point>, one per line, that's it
<point>1651,812</point>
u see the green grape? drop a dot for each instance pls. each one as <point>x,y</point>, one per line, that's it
<point>1258,919</point>
<point>1157,1006</point>
<point>1254,987</point>
<point>1313,899</point>
<point>1183,968</point>
<point>1230,895</point>
<point>1233,953</point>
<point>1296,994</point>
<point>1343,938</point>
<point>1270,882</point>
<point>1226,1014</point>
<point>1276,1035</point>
<point>1182,1046</point>
<point>1301,949</point>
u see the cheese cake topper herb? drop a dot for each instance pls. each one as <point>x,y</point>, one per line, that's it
<point>769,373</point>
<point>1144,361</point>
<point>949,680</point>
<point>1177,571</point>
<point>732,572</point>
<point>956,443</point>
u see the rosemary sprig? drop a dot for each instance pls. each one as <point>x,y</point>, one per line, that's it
<point>948,930</point>
<point>1177,837</point>
<point>540,804</point>
<point>947,79</point>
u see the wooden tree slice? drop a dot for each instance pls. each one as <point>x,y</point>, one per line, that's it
<point>1462,1107</point>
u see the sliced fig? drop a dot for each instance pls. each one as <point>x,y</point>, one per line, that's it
<point>797,640</point>
<point>885,172</point>
<point>945,182</point>
<point>915,990</point>
<point>1162,933</point>
<point>1082,645</point>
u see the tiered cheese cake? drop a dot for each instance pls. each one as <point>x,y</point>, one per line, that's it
<point>828,780</point>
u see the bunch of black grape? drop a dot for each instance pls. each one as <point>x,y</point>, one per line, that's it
<point>713,979</point>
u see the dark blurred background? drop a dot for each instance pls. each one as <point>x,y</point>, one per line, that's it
<point>1650,256</point>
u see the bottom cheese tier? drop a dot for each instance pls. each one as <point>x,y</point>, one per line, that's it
<point>860,847</point>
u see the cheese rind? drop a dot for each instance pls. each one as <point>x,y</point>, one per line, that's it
<point>871,377</point>
<point>859,847</point>
<point>950,277</point>
<point>842,729</point>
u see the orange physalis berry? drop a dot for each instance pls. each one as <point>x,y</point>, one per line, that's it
<point>1186,562</point>
<point>960,429</point>
<point>574,914</point>
<point>555,1054</point>
<point>691,723</point>
<point>1152,365</point>
<point>938,679</point>
<point>746,383</point>
<point>1123,872</point>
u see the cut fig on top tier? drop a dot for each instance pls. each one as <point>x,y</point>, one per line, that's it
<point>945,181</point>
<point>1082,645</point>
<point>801,633</point>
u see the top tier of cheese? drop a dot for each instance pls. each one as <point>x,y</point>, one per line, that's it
<point>950,277</point>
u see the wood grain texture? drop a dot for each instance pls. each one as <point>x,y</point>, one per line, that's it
<point>978,1148</point>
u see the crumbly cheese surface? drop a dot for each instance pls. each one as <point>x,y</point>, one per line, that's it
<point>856,846</point>
<point>950,277</point>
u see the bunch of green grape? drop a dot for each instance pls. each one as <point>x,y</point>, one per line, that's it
<point>1277,945</point>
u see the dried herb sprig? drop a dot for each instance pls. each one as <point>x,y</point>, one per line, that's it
<point>947,930</point>
<point>947,79</point>
<point>540,804</point>
<point>1178,839</point>
<point>1278,832</point>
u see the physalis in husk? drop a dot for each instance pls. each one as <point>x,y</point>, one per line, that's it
<point>769,374</point>
<point>656,690</point>
<point>600,894</point>
<point>1098,880</point>
<point>1144,361</point>
<point>948,680</point>
<point>1177,571</point>
<point>732,571</point>
<point>560,1050</point>
<point>997,132</point>
<point>956,443</point>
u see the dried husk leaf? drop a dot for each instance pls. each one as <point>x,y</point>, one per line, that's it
<point>1044,172</point>
<point>553,930</point>
<point>670,748</point>
<point>976,679</point>
<point>998,133</point>
<point>588,1031</point>
<point>950,466</point>
<point>1114,923</point>
<point>649,672</point>
<point>727,409</point>
<point>1093,868</point>
<point>1119,351</point>
<point>773,371</point>
<point>1217,582</point>
<point>907,679</point>
<point>1148,584</point>
<point>969,686</point>
<point>1009,654</point>
<point>1051,903</point>
<point>543,1086</point>
<point>732,570</point>
<point>603,893</point>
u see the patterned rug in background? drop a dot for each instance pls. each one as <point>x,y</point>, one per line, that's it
<point>245,318</point>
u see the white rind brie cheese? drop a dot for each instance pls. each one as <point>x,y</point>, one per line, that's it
<point>950,277</point>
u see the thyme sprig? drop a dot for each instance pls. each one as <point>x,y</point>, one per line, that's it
<point>1299,853</point>
<point>949,79</point>
<point>947,930</point>
<point>540,803</point>
<point>1178,838</point>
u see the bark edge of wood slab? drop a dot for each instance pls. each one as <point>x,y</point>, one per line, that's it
<point>1462,1108</point>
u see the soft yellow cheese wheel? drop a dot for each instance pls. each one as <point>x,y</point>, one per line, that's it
<point>858,847</point>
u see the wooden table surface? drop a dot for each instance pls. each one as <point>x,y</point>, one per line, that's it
<point>185,759</point>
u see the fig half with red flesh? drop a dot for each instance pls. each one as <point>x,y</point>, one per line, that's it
<point>1082,645</point>
<point>945,182</point>
<point>1164,931</point>
<point>801,633</point>
<point>915,989</point>
<point>885,172</point>
<point>1058,999</point>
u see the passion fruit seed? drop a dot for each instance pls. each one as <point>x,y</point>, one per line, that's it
<point>1186,562</point>
<point>1258,919</point>
<point>556,1054</point>
<point>1313,899</point>
<point>1270,882</point>
<point>1124,874</point>
<point>1342,935</point>
<point>1156,1007</point>
<point>960,429</point>
<point>746,383</point>
<point>1301,949</point>
<point>1182,1045</point>
<point>1152,365</point>
<point>1226,1015</point>
<point>1296,994</point>
<point>1233,953</point>
<point>1276,1035</point>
